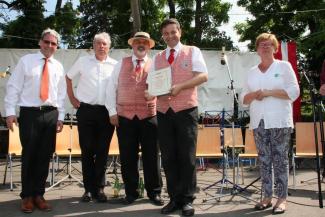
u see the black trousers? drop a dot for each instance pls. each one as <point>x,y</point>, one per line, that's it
<point>37,132</point>
<point>177,133</point>
<point>95,134</point>
<point>131,134</point>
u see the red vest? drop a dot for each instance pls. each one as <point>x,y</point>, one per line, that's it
<point>181,71</point>
<point>130,92</point>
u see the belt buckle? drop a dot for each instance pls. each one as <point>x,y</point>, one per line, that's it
<point>41,108</point>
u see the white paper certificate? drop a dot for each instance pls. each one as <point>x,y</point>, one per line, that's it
<point>159,82</point>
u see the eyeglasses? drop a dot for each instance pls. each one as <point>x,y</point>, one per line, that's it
<point>49,42</point>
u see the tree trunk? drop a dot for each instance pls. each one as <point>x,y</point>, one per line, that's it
<point>172,11</point>
<point>58,6</point>
<point>198,27</point>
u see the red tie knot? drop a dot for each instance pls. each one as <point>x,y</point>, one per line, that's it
<point>171,56</point>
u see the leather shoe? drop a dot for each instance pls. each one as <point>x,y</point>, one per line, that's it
<point>101,196</point>
<point>127,200</point>
<point>156,200</point>
<point>42,204</point>
<point>170,207</point>
<point>27,205</point>
<point>188,210</point>
<point>86,197</point>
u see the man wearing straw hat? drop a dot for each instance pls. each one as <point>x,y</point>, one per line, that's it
<point>135,119</point>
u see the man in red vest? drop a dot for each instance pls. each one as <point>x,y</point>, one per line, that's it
<point>135,119</point>
<point>178,116</point>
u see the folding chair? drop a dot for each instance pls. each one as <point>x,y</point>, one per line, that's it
<point>305,144</point>
<point>114,152</point>
<point>208,144</point>
<point>67,145</point>
<point>14,150</point>
<point>249,148</point>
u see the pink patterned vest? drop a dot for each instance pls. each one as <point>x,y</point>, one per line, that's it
<point>181,71</point>
<point>130,92</point>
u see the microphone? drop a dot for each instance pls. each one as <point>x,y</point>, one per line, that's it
<point>223,59</point>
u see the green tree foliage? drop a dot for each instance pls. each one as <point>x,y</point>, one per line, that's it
<point>66,22</point>
<point>289,20</point>
<point>105,16</point>
<point>26,29</point>
<point>207,16</point>
<point>24,32</point>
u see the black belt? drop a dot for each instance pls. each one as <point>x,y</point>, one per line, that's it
<point>39,108</point>
<point>82,104</point>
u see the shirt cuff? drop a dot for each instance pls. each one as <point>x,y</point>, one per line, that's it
<point>10,112</point>
<point>112,112</point>
<point>61,117</point>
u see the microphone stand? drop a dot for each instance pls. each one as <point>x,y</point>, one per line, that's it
<point>316,107</point>
<point>236,188</point>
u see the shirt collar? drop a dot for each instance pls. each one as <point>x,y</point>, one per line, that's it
<point>176,48</point>
<point>107,60</point>
<point>134,58</point>
<point>42,57</point>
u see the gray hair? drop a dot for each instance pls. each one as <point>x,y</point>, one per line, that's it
<point>103,35</point>
<point>51,32</point>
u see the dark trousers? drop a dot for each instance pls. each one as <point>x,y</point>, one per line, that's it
<point>131,134</point>
<point>95,134</point>
<point>37,131</point>
<point>177,133</point>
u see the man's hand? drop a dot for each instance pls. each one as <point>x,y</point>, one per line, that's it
<point>175,90</point>
<point>147,96</point>
<point>10,120</point>
<point>59,126</point>
<point>114,120</point>
<point>322,90</point>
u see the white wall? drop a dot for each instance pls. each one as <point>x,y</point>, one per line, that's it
<point>213,95</point>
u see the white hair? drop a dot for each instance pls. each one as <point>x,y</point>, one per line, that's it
<point>103,35</point>
<point>51,32</point>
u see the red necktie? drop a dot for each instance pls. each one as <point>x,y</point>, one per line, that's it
<point>171,56</point>
<point>44,91</point>
<point>138,66</point>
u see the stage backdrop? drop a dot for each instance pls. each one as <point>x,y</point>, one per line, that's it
<point>214,95</point>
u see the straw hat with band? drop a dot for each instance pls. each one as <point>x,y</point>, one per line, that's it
<point>142,35</point>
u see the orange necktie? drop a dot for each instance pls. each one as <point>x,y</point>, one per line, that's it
<point>171,56</point>
<point>44,92</point>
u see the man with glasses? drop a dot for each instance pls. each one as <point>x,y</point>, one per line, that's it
<point>95,131</point>
<point>38,87</point>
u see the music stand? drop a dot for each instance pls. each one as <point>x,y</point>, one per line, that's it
<point>69,175</point>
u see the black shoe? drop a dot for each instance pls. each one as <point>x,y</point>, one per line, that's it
<point>188,210</point>
<point>170,207</point>
<point>86,197</point>
<point>156,200</point>
<point>127,200</point>
<point>101,196</point>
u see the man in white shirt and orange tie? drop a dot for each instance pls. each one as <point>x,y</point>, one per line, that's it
<point>135,119</point>
<point>95,131</point>
<point>38,87</point>
<point>178,116</point>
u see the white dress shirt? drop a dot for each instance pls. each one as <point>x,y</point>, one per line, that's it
<point>111,90</point>
<point>198,62</point>
<point>23,87</point>
<point>276,112</point>
<point>94,76</point>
